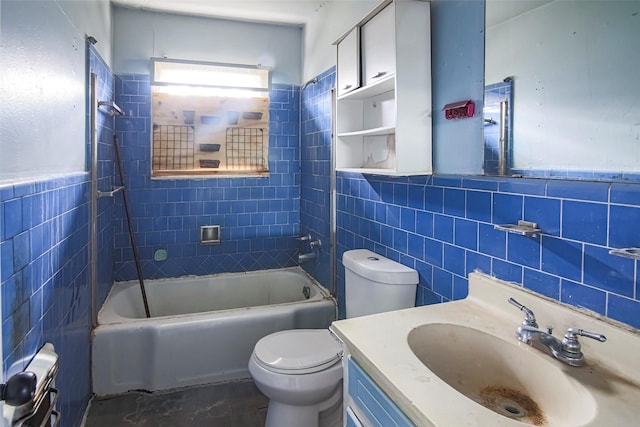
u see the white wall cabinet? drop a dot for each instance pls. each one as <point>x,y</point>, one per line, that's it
<point>384,126</point>
<point>349,60</point>
<point>378,46</point>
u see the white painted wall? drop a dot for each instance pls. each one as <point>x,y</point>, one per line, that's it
<point>139,35</point>
<point>575,68</point>
<point>332,21</point>
<point>91,18</point>
<point>43,84</point>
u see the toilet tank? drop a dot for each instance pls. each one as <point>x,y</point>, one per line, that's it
<point>374,284</point>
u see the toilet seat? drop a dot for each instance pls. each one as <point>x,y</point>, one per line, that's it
<point>298,351</point>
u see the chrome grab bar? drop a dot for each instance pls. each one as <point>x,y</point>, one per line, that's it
<point>109,193</point>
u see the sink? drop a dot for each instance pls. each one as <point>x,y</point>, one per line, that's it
<point>510,379</point>
<point>460,363</point>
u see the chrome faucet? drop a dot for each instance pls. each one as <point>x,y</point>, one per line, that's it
<point>567,350</point>
<point>528,322</point>
<point>306,257</point>
<point>313,245</point>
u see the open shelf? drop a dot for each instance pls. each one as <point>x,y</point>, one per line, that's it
<point>384,130</point>
<point>381,171</point>
<point>371,171</point>
<point>383,85</point>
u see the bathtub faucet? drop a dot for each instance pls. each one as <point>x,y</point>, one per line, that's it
<point>314,245</point>
<point>306,257</point>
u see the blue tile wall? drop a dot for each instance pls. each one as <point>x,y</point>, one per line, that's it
<point>44,246</point>
<point>450,233</point>
<point>259,217</point>
<point>45,276</point>
<point>315,172</point>
<point>579,175</point>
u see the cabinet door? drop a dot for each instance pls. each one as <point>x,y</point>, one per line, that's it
<point>378,46</point>
<point>349,62</point>
<point>352,420</point>
<point>373,403</point>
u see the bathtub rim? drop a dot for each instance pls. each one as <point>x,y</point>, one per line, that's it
<point>113,319</point>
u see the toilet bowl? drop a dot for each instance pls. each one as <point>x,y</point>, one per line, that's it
<point>301,373</point>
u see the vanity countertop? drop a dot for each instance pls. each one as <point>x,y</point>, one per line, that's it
<point>379,344</point>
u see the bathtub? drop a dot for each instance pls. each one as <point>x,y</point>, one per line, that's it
<point>202,330</point>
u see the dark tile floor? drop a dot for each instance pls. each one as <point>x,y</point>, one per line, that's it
<point>232,404</point>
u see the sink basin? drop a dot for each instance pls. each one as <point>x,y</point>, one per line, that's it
<point>460,364</point>
<point>510,379</point>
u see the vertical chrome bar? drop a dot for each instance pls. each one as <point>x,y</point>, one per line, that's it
<point>504,139</point>
<point>332,207</point>
<point>93,222</point>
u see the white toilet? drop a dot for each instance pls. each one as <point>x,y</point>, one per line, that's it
<point>300,370</point>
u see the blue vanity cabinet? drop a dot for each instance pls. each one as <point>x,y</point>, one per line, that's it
<point>351,420</point>
<point>366,405</point>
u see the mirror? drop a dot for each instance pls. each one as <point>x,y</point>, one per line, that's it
<point>572,74</point>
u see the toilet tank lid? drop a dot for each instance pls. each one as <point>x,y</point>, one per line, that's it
<point>378,268</point>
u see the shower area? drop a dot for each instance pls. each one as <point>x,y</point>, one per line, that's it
<point>317,177</point>
<point>260,218</point>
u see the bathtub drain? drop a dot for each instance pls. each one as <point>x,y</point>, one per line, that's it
<point>306,291</point>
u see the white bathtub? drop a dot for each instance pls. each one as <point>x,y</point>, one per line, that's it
<point>202,329</point>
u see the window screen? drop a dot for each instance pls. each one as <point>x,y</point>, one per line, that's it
<point>209,119</point>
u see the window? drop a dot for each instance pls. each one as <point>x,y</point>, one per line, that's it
<point>209,119</point>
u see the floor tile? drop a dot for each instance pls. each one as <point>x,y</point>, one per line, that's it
<point>237,404</point>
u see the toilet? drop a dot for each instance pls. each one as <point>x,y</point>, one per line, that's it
<point>300,370</point>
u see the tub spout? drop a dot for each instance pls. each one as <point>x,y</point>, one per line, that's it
<point>306,257</point>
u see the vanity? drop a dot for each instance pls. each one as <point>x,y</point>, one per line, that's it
<point>462,363</point>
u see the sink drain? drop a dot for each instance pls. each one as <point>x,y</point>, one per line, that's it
<point>512,403</point>
<point>511,409</point>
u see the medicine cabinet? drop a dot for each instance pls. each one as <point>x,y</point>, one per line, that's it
<point>383,111</point>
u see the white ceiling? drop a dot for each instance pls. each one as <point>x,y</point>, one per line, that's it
<point>297,12</point>
<point>292,12</point>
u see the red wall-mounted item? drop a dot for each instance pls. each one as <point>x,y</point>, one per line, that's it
<point>459,110</point>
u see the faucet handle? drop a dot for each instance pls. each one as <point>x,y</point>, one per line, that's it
<point>530,317</point>
<point>570,343</point>
<point>583,333</point>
